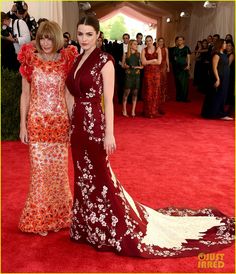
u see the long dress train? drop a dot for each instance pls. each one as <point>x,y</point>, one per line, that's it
<point>104,214</point>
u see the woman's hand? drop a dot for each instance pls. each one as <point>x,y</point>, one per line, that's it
<point>24,135</point>
<point>167,69</point>
<point>187,68</point>
<point>217,83</point>
<point>109,144</point>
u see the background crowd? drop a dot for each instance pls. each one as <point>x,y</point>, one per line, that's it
<point>142,65</point>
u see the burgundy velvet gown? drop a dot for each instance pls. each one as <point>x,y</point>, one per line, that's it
<point>104,214</point>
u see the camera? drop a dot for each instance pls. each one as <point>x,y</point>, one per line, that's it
<point>33,26</point>
<point>20,6</point>
<point>6,31</point>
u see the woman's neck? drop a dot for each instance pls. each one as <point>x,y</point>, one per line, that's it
<point>49,56</point>
<point>89,51</point>
<point>151,47</point>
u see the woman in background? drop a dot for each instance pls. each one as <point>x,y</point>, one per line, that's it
<point>151,60</point>
<point>214,103</point>
<point>131,62</point>
<point>231,90</point>
<point>181,68</point>
<point>228,37</point>
<point>197,67</point>
<point>100,44</point>
<point>164,68</point>
<point>44,126</point>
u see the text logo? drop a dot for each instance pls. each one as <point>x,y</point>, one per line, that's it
<point>210,260</point>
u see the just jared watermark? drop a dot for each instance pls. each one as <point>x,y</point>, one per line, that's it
<point>211,260</point>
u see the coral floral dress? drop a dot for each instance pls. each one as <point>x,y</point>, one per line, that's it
<point>48,206</point>
<point>104,214</point>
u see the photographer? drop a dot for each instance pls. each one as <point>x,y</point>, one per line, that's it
<point>20,10</point>
<point>14,32</point>
<point>8,55</point>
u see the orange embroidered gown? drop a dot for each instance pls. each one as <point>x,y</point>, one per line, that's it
<point>49,201</point>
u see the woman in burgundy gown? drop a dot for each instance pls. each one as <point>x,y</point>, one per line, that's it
<point>164,68</point>
<point>151,60</point>
<point>104,214</point>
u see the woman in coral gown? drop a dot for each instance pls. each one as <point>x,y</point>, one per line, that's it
<point>45,128</point>
<point>104,214</point>
<point>151,60</point>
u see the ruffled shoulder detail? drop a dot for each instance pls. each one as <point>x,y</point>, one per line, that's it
<point>25,57</point>
<point>69,55</point>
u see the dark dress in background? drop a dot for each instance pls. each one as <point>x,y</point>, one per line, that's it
<point>197,70</point>
<point>132,75</point>
<point>119,71</point>
<point>181,75</point>
<point>213,106</point>
<point>231,90</point>
<point>104,214</point>
<point>204,73</point>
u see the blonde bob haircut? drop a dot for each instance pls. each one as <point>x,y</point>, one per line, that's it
<point>52,31</point>
<point>131,41</point>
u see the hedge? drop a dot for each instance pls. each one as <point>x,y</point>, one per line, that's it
<point>10,104</point>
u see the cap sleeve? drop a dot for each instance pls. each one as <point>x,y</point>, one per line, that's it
<point>69,54</point>
<point>25,57</point>
<point>105,58</point>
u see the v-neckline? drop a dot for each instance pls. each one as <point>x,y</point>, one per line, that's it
<point>78,70</point>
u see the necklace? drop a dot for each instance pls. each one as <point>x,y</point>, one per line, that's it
<point>46,57</point>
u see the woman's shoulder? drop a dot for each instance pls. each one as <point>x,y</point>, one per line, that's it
<point>27,53</point>
<point>230,54</point>
<point>29,47</point>
<point>26,57</point>
<point>27,50</point>
<point>69,52</point>
<point>187,48</point>
<point>105,57</point>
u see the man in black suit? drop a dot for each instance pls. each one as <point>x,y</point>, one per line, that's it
<point>120,73</point>
<point>70,41</point>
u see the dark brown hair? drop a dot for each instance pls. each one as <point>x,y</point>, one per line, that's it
<point>4,16</point>
<point>90,20</point>
<point>148,36</point>
<point>163,41</point>
<point>218,46</point>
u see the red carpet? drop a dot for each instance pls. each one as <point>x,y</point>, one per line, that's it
<point>178,160</point>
